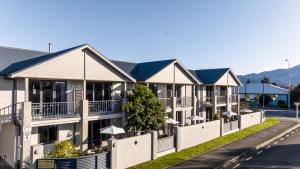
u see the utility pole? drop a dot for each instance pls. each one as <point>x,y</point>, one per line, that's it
<point>289,83</point>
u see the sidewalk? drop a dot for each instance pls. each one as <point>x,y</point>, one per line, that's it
<point>219,156</point>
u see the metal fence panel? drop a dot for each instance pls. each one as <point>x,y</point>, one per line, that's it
<point>86,163</point>
<point>166,143</point>
<point>226,127</point>
<point>65,163</point>
<point>103,160</point>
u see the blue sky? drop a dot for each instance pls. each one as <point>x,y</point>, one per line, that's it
<point>248,35</point>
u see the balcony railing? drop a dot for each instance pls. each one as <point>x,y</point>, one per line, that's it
<point>208,100</point>
<point>233,98</point>
<point>166,101</point>
<point>221,99</point>
<point>184,102</point>
<point>53,110</point>
<point>10,113</point>
<point>104,106</point>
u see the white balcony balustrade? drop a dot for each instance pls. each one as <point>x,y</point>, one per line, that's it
<point>104,106</point>
<point>52,110</point>
<point>184,102</point>
<point>167,102</point>
<point>10,113</point>
<point>233,98</point>
<point>221,99</point>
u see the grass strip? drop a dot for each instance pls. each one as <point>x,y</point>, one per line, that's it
<point>174,158</point>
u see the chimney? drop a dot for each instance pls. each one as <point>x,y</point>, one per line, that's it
<point>49,47</point>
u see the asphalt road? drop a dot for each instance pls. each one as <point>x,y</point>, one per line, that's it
<point>282,153</point>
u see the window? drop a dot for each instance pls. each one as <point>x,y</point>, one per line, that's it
<point>47,134</point>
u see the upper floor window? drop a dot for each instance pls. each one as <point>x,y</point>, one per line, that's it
<point>48,134</point>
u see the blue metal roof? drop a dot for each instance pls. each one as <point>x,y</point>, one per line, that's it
<point>209,76</point>
<point>143,71</point>
<point>13,60</point>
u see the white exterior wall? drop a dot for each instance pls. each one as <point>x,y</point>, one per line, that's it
<point>132,151</point>
<point>20,90</point>
<point>251,119</point>
<point>69,66</point>
<point>8,142</point>
<point>227,79</point>
<point>167,75</point>
<point>6,88</point>
<point>198,134</point>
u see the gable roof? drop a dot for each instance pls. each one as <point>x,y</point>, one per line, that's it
<point>18,66</point>
<point>22,59</point>
<point>9,56</point>
<point>211,76</point>
<point>258,88</point>
<point>145,70</point>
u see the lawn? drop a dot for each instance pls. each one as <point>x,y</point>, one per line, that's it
<point>188,153</point>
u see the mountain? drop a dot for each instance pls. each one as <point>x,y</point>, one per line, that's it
<point>279,76</point>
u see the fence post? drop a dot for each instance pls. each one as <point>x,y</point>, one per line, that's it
<point>174,108</point>
<point>241,122</point>
<point>221,127</point>
<point>84,125</point>
<point>261,116</point>
<point>154,144</point>
<point>112,146</point>
<point>26,134</point>
<point>178,138</point>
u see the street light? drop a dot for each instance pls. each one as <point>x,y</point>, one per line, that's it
<point>289,83</point>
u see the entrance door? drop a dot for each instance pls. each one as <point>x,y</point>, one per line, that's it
<point>209,113</point>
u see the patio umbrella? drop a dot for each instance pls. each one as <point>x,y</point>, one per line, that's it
<point>246,110</point>
<point>229,113</point>
<point>171,121</point>
<point>112,130</point>
<point>194,118</point>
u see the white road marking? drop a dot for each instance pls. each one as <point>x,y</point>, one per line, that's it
<point>268,147</point>
<point>281,139</point>
<point>292,132</point>
<point>287,135</point>
<point>259,152</point>
<point>236,166</point>
<point>275,142</point>
<point>249,158</point>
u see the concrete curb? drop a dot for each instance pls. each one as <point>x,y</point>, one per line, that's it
<point>236,158</point>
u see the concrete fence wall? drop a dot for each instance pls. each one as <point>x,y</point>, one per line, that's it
<point>130,151</point>
<point>251,119</point>
<point>189,136</point>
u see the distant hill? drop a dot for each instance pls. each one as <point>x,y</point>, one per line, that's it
<point>279,76</point>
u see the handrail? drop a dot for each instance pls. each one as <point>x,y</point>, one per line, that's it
<point>50,110</point>
<point>96,107</point>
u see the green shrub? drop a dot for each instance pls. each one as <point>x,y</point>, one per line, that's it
<point>63,149</point>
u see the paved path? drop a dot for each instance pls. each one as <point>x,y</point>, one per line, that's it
<point>282,153</point>
<point>219,156</point>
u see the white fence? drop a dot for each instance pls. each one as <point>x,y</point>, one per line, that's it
<point>164,144</point>
<point>251,119</point>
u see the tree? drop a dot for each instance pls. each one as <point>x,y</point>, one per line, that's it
<point>295,94</point>
<point>145,112</point>
<point>63,149</point>
<point>268,99</point>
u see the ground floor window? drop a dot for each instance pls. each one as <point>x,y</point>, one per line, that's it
<point>47,134</point>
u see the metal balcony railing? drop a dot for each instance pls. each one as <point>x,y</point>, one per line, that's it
<point>10,113</point>
<point>166,101</point>
<point>53,110</point>
<point>233,98</point>
<point>221,99</point>
<point>184,102</point>
<point>104,106</point>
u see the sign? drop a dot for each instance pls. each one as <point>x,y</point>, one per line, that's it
<point>46,164</point>
<point>26,133</point>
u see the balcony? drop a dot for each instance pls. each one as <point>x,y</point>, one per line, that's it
<point>10,113</point>
<point>208,100</point>
<point>167,102</point>
<point>233,98</point>
<point>104,107</point>
<point>53,110</point>
<point>221,99</point>
<point>184,102</point>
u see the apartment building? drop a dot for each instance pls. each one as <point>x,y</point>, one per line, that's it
<point>219,92</point>
<point>71,94</point>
